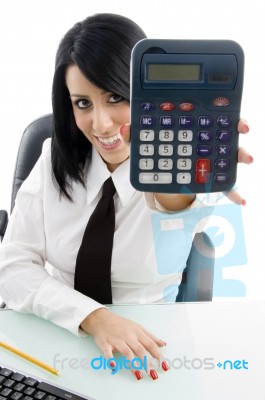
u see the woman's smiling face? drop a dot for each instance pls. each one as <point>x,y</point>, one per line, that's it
<point>99,115</point>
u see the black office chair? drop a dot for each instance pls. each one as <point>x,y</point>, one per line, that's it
<point>197,281</point>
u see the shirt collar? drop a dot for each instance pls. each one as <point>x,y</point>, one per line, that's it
<point>98,173</point>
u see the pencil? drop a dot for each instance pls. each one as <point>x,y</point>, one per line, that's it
<point>30,359</point>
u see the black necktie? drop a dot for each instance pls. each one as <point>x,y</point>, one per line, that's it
<point>93,263</point>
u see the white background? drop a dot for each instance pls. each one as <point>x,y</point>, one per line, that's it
<point>30,31</point>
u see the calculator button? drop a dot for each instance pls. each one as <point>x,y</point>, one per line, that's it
<point>154,177</point>
<point>224,121</point>
<point>224,136</point>
<point>184,163</point>
<point>166,136</point>
<point>186,121</point>
<point>165,150</point>
<point>223,149</point>
<point>222,163</point>
<point>203,169</point>
<point>165,163</point>
<point>185,135</point>
<point>148,106</point>
<point>147,150</point>
<point>184,150</point>
<point>147,120</point>
<point>167,121</point>
<point>147,135</point>
<point>205,120</point>
<point>183,178</point>
<point>204,150</point>
<point>205,136</point>
<point>186,106</point>
<point>167,106</point>
<point>146,163</point>
<point>221,178</point>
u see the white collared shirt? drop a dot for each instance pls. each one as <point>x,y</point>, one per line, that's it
<point>149,252</point>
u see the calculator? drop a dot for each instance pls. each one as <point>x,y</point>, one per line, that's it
<point>185,107</point>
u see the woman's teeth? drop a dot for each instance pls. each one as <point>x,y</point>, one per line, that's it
<point>110,140</point>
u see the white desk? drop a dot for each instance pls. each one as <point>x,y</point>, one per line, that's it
<point>228,330</point>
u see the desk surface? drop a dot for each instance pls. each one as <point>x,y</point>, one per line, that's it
<point>197,333</point>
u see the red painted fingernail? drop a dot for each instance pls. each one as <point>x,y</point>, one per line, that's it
<point>165,366</point>
<point>246,126</point>
<point>250,159</point>
<point>112,364</point>
<point>153,374</point>
<point>138,375</point>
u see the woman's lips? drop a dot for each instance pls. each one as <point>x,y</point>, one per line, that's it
<point>108,141</point>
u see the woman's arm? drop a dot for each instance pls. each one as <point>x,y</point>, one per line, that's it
<point>25,284</point>
<point>174,202</point>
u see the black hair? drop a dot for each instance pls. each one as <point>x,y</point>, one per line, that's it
<point>101,48</point>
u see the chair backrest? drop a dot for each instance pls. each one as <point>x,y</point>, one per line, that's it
<point>197,283</point>
<point>29,150</point>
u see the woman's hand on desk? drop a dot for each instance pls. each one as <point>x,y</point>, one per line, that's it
<point>115,334</point>
<point>179,202</point>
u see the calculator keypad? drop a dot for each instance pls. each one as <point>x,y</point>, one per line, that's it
<point>183,148</point>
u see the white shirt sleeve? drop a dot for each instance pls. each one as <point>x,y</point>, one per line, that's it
<point>25,284</point>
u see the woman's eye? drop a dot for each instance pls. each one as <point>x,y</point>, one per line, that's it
<point>115,98</point>
<point>82,103</point>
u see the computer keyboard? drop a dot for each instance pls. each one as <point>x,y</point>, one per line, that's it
<point>17,386</point>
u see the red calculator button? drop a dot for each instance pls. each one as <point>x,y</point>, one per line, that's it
<point>203,169</point>
<point>186,106</point>
<point>167,106</point>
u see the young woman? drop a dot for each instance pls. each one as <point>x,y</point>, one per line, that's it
<point>90,143</point>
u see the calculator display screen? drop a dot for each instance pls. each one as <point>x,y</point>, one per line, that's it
<point>173,72</point>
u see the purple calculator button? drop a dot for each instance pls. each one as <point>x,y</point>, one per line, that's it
<point>224,136</point>
<point>222,164</point>
<point>205,121</point>
<point>147,120</point>
<point>223,149</point>
<point>224,121</point>
<point>204,150</point>
<point>148,106</point>
<point>167,121</point>
<point>221,177</point>
<point>205,136</point>
<point>186,121</point>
